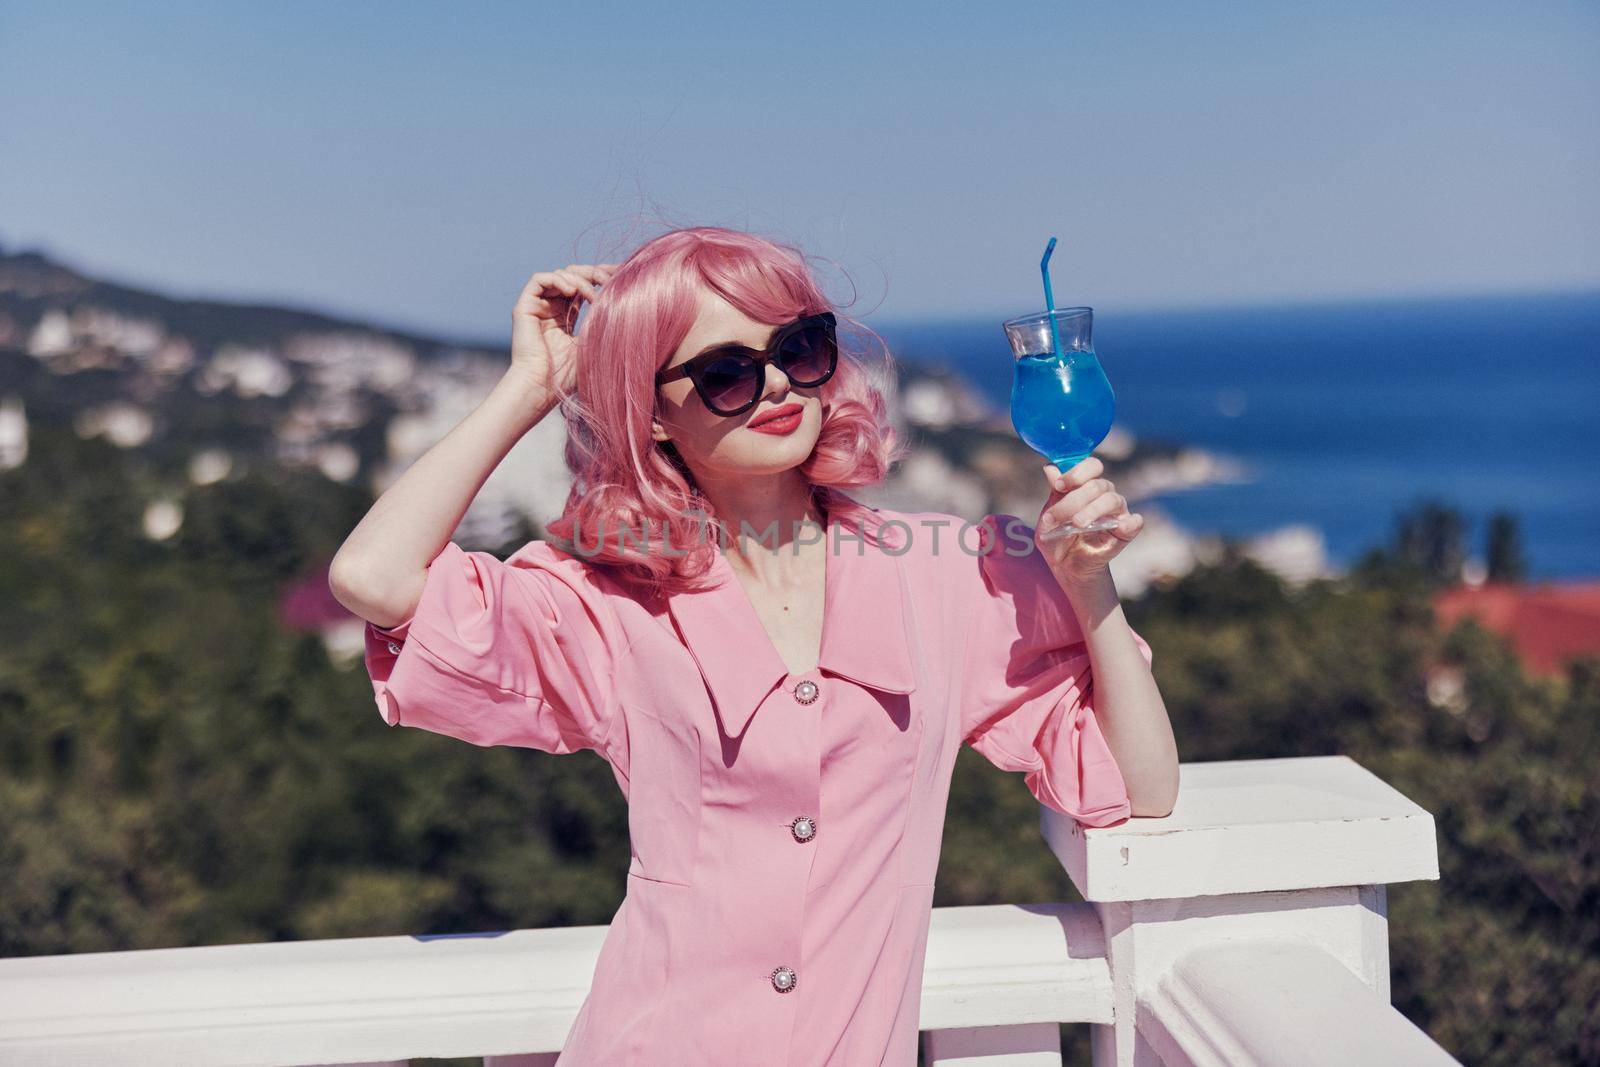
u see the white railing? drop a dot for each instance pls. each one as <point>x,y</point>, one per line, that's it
<point>1248,927</point>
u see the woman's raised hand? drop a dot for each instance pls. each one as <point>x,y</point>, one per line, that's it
<point>1081,496</point>
<point>543,321</point>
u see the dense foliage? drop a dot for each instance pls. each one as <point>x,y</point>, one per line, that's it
<point>177,768</point>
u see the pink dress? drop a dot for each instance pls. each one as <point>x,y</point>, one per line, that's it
<point>785,829</point>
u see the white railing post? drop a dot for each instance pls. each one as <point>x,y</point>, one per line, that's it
<point>1281,862</point>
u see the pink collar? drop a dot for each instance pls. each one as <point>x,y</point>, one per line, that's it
<point>866,631</point>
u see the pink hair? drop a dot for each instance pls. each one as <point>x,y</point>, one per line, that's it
<point>623,479</point>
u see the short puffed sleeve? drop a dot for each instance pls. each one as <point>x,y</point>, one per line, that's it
<point>516,652</point>
<point>1027,690</point>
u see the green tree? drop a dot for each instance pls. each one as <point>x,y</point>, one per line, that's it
<point>1503,549</point>
<point>1429,537</point>
<point>176,768</point>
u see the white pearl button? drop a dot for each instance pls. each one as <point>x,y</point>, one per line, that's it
<point>783,979</point>
<point>804,828</point>
<point>394,646</point>
<point>806,692</point>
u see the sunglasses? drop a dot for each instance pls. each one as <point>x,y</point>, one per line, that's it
<point>729,378</point>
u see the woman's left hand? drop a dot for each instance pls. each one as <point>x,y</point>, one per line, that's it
<point>1081,496</point>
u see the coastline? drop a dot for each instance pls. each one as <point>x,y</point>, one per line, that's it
<point>966,459</point>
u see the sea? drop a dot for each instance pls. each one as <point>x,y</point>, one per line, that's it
<point>1343,416</point>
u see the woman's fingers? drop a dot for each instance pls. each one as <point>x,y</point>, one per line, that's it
<point>1082,496</point>
<point>1079,497</point>
<point>1091,494</point>
<point>1107,503</point>
<point>534,288</point>
<point>594,272</point>
<point>1071,509</point>
<point>1080,473</point>
<point>577,284</point>
<point>591,274</point>
<point>543,290</point>
<point>546,287</point>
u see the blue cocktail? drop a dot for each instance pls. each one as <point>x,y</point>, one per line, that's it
<point>1061,400</point>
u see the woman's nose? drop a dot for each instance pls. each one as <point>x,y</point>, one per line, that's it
<point>776,383</point>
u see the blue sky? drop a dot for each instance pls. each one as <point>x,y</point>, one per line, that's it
<point>416,162</point>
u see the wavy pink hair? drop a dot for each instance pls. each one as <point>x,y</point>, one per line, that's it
<point>623,477</point>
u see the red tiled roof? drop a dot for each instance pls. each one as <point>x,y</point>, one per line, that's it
<point>1545,623</point>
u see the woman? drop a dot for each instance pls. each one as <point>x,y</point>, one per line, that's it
<point>780,678</point>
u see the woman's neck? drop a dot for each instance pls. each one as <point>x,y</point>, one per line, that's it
<point>762,516</point>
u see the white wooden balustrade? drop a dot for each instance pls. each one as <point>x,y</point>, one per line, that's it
<point>1248,927</point>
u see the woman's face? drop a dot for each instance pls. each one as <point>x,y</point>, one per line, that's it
<point>717,447</point>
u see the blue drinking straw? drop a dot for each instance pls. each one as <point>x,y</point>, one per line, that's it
<point>1049,297</point>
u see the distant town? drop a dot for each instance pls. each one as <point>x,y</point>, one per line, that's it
<point>359,403</point>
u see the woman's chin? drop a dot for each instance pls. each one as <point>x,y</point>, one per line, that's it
<point>755,455</point>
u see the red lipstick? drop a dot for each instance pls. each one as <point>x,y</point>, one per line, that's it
<point>780,421</point>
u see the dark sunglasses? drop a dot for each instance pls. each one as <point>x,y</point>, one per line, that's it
<point>729,378</point>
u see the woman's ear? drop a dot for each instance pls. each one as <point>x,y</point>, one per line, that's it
<point>659,432</point>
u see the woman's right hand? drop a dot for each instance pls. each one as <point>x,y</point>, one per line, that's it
<point>543,321</point>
